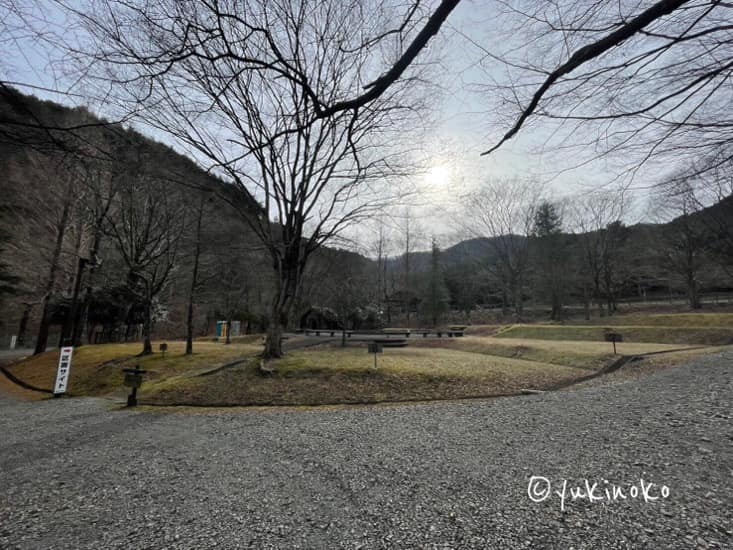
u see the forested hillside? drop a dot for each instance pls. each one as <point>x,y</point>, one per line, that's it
<point>125,217</point>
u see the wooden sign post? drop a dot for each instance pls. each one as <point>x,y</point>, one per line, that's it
<point>614,337</point>
<point>375,348</point>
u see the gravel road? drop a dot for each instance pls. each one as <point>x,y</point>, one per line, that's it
<point>76,474</point>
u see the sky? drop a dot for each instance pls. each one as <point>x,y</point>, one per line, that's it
<point>461,128</point>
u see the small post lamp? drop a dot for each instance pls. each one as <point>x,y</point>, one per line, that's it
<point>133,380</point>
<point>614,337</point>
<point>375,348</point>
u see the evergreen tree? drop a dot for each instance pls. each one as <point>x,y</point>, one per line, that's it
<point>437,292</point>
<point>548,251</point>
<point>547,220</point>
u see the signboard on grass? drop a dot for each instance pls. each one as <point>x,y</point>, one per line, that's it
<point>64,371</point>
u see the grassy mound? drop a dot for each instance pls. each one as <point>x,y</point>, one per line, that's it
<point>347,375</point>
<point>97,370</point>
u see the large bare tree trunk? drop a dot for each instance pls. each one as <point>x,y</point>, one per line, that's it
<point>273,340</point>
<point>693,295</point>
<point>278,322</point>
<point>147,325</point>
<point>70,329</point>
<point>281,305</point>
<point>189,324</point>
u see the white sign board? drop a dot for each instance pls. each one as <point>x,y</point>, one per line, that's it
<point>13,341</point>
<point>62,375</point>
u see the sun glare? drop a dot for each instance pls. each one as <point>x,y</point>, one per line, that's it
<point>438,176</point>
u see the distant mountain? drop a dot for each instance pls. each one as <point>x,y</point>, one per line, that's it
<point>715,221</point>
<point>479,249</point>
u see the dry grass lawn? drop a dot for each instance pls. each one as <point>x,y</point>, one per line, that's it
<point>97,370</point>
<point>581,354</point>
<point>346,375</point>
<point>685,320</point>
<point>690,335</point>
<point>489,360</point>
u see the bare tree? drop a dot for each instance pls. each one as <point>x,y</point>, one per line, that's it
<point>407,279</point>
<point>146,225</point>
<point>503,213</point>
<point>379,249</point>
<point>37,35</point>
<point>385,282</point>
<point>685,237</point>
<point>203,72</point>
<point>39,191</point>
<point>60,224</point>
<point>700,189</point>
<point>644,80</point>
<point>200,208</point>
<point>652,76</point>
<point>101,181</point>
<point>350,289</point>
<point>597,218</point>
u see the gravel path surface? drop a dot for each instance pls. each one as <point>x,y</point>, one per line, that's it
<point>75,474</point>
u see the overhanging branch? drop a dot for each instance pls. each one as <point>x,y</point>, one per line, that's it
<point>381,84</point>
<point>589,52</point>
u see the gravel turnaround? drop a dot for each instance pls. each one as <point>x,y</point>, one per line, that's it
<point>75,474</point>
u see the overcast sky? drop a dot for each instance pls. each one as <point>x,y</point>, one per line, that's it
<point>462,128</point>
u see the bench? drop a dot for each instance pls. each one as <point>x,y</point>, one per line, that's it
<point>449,333</point>
<point>457,330</point>
<point>318,332</point>
<point>389,331</point>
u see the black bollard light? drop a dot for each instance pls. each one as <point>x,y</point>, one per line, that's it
<point>613,337</point>
<point>133,380</point>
